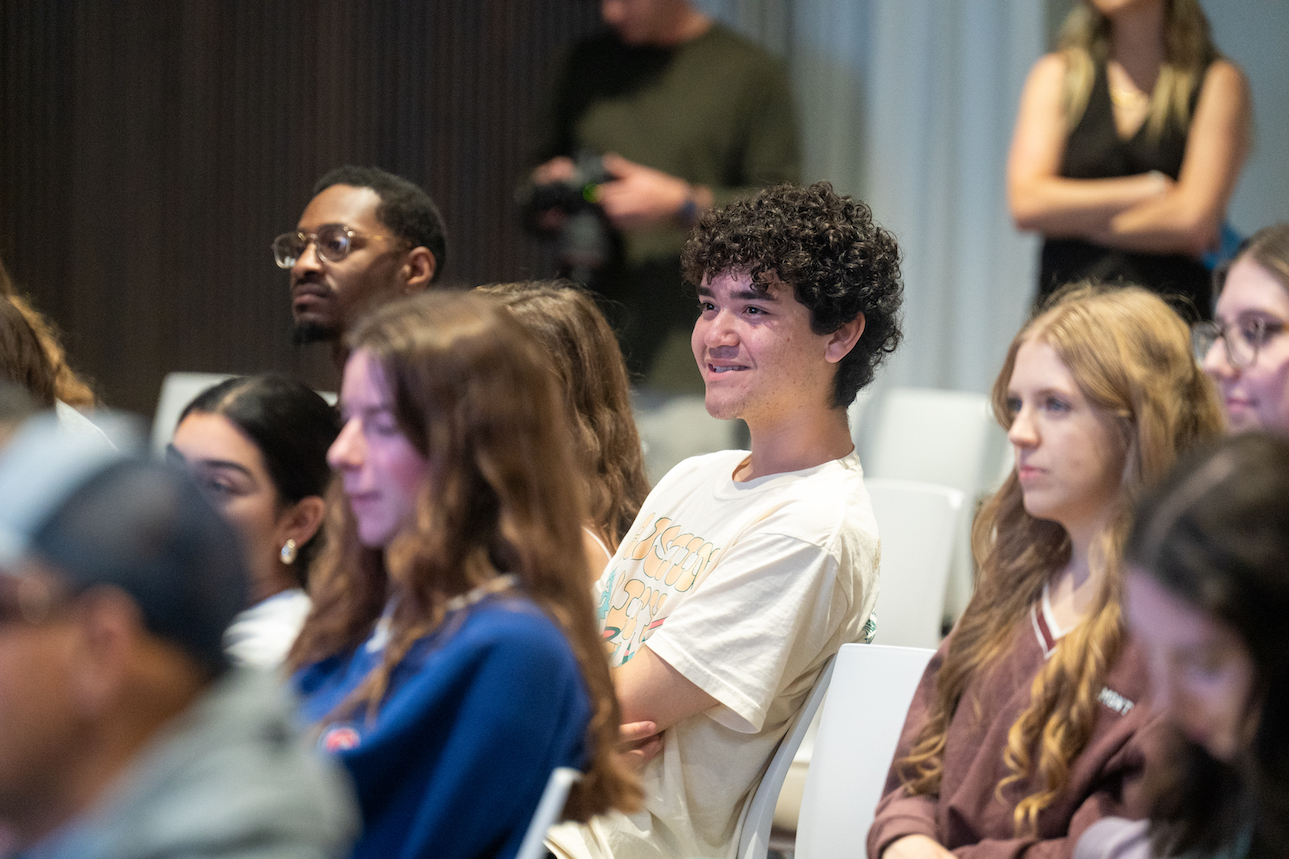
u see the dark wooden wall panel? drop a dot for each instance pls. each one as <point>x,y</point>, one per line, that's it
<point>151,149</point>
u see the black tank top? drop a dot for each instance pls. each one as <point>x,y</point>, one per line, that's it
<point>1094,150</point>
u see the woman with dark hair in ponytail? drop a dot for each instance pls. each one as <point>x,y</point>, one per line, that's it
<point>257,446</point>
<point>1026,726</point>
<point>451,659</point>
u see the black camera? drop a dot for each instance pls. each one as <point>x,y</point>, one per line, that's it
<point>585,243</point>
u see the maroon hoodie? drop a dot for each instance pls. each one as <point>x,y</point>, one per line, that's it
<point>966,816</point>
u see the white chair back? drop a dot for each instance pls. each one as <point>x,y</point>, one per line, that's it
<point>868,700</point>
<point>177,391</point>
<point>943,437</point>
<point>918,525</point>
<point>754,836</point>
<point>549,808</point>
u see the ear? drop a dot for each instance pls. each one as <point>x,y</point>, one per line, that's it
<point>109,624</point>
<point>841,341</point>
<point>301,520</point>
<point>418,270</point>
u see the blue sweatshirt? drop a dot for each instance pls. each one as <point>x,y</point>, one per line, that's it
<point>475,718</point>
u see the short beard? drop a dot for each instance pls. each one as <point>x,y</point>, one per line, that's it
<point>305,333</point>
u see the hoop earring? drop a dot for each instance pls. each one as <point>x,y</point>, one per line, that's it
<point>289,552</point>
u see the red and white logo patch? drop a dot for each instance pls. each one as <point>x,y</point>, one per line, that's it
<point>340,739</point>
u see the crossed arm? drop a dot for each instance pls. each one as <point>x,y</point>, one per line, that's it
<point>654,696</point>
<point>1148,212</point>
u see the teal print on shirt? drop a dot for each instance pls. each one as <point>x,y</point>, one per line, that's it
<point>671,563</point>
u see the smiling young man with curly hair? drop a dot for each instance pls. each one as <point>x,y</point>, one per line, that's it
<point>746,570</point>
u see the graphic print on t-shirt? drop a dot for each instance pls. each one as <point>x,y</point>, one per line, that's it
<point>656,561</point>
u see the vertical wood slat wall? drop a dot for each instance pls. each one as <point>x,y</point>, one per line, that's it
<point>151,149</point>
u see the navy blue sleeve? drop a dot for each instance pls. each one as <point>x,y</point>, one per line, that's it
<point>457,759</point>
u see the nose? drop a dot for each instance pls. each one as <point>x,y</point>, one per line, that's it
<point>307,261</point>
<point>611,11</point>
<point>1022,432</point>
<point>720,330</point>
<point>1217,363</point>
<point>348,451</point>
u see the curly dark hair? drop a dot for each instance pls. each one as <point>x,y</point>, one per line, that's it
<point>838,262</point>
<point>404,208</point>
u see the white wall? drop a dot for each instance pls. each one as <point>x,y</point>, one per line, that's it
<point>910,104</point>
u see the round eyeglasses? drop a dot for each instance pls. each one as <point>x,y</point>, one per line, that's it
<point>1241,339</point>
<point>332,241</point>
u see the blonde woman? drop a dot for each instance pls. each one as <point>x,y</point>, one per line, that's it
<point>1128,145</point>
<point>1025,726</point>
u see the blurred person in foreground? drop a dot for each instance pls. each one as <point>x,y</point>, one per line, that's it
<point>1207,596</point>
<point>658,118</point>
<point>126,735</point>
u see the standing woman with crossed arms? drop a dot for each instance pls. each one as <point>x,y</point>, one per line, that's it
<point>1127,148</point>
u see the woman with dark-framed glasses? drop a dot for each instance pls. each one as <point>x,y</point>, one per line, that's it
<point>1251,363</point>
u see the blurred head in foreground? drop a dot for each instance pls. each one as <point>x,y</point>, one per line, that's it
<point>116,584</point>
<point>1207,596</point>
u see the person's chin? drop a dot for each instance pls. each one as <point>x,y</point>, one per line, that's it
<point>306,331</point>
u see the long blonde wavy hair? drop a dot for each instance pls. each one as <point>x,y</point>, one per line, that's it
<point>1130,355</point>
<point>472,393</point>
<point>1188,50</point>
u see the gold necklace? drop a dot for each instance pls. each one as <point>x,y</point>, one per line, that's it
<point>1124,97</point>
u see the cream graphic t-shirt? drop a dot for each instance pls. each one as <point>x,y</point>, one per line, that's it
<point>746,589</point>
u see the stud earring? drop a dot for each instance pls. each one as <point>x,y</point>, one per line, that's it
<point>289,552</point>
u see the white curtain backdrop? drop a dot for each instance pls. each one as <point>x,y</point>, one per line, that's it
<point>910,104</point>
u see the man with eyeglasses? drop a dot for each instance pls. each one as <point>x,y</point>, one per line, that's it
<point>365,238</point>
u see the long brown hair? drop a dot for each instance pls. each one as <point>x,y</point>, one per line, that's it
<point>471,392</point>
<point>584,353</point>
<point>68,386</point>
<point>1188,50</point>
<point>22,358</point>
<point>1130,355</point>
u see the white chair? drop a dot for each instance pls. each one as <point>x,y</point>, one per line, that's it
<point>754,836</point>
<point>943,437</point>
<point>868,700</point>
<point>549,808</point>
<point>177,391</point>
<point>918,525</point>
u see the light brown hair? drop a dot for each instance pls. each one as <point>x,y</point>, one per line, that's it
<point>68,386</point>
<point>1130,355</point>
<point>1269,248</point>
<point>22,358</point>
<point>588,365</point>
<point>470,391</point>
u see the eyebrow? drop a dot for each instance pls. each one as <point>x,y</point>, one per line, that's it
<point>744,294</point>
<point>173,454</point>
